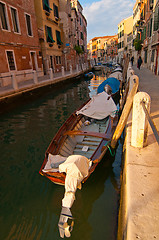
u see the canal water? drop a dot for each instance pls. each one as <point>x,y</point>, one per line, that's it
<point>30,204</point>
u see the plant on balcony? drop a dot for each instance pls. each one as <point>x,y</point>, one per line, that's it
<point>78,49</point>
<point>138,44</point>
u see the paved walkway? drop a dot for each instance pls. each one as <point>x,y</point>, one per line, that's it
<point>141,173</point>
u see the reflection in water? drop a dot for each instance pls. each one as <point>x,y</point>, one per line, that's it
<point>30,203</point>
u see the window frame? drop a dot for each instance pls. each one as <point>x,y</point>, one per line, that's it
<point>47,35</point>
<point>59,42</point>
<point>58,60</point>
<point>46,6</point>
<point>56,11</point>
<point>17,19</point>
<point>8,50</point>
<point>31,28</point>
<point>6,16</point>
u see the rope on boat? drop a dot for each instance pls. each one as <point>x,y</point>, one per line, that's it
<point>112,153</point>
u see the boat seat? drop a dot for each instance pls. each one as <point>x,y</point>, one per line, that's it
<point>87,133</point>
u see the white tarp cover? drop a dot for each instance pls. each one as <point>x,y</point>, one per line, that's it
<point>53,163</point>
<point>99,107</point>
<point>76,168</point>
<point>117,75</point>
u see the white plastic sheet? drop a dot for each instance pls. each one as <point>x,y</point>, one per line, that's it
<point>76,168</point>
<point>99,107</point>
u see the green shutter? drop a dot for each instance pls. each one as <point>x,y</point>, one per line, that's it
<point>47,5</point>
<point>58,38</point>
<point>49,34</point>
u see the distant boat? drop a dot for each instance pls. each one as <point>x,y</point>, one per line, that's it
<point>97,67</point>
<point>89,75</point>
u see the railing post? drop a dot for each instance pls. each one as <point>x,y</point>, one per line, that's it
<point>70,69</point>
<point>139,120</point>
<point>63,71</point>
<point>77,68</point>
<point>14,81</point>
<point>35,77</point>
<point>51,74</point>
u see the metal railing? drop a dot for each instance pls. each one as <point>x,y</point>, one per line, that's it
<point>151,122</point>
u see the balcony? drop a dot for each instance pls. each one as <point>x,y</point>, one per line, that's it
<point>155,38</point>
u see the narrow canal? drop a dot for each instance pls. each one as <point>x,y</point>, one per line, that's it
<point>31,204</point>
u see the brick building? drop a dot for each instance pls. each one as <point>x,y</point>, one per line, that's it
<point>19,43</point>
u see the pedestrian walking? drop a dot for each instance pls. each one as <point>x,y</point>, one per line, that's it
<point>132,60</point>
<point>139,62</point>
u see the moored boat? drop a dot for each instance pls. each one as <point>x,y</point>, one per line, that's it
<point>80,135</point>
<point>97,67</point>
<point>77,149</point>
<point>89,75</point>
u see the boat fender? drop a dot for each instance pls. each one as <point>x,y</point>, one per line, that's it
<point>66,222</point>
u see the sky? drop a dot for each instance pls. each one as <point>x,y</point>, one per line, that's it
<point>103,16</point>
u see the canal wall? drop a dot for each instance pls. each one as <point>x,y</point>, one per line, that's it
<point>139,201</point>
<point>16,93</point>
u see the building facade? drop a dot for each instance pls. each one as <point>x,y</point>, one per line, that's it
<point>47,15</point>
<point>68,34</point>
<point>80,31</point>
<point>19,42</point>
<point>98,48</point>
<point>111,49</point>
<point>146,33</point>
<point>124,29</point>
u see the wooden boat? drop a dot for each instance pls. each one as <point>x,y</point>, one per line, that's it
<point>97,67</point>
<point>77,137</point>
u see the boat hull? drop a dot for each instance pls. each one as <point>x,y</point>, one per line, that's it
<point>60,139</point>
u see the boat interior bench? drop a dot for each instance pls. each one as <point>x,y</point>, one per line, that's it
<point>87,133</point>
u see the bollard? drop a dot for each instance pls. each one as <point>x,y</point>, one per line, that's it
<point>63,71</point>
<point>77,68</point>
<point>35,77</point>
<point>51,74</point>
<point>139,120</point>
<point>14,81</point>
<point>70,69</point>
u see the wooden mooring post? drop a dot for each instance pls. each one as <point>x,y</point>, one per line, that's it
<point>125,113</point>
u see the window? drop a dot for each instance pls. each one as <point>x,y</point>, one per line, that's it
<point>58,60</point>
<point>145,59</point>
<point>156,19</point>
<point>28,23</point>
<point>15,20</point>
<point>82,35</point>
<point>46,6</point>
<point>49,37</point>
<point>153,55</point>
<point>3,16</point>
<point>11,62</point>
<point>56,13</point>
<point>51,62</point>
<point>58,37</point>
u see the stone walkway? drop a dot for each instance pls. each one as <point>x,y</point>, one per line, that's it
<point>140,185</point>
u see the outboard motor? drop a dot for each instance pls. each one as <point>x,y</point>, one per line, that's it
<point>66,222</point>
